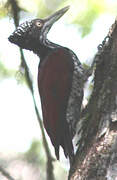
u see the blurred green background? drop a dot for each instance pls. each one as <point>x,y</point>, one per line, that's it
<point>82,29</point>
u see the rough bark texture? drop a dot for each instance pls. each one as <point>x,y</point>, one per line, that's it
<point>96,157</point>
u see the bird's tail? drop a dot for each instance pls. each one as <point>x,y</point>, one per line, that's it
<point>67,145</point>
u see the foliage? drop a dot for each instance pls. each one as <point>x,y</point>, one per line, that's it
<point>86,13</point>
<point>3,9</point>
<point>4,72</point>
<point>35,155</point>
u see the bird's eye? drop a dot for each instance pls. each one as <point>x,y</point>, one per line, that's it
<point>39,24</point>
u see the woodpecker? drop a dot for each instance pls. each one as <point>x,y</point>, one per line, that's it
<point>60,81</point>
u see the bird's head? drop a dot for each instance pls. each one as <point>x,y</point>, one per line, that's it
<point>31,33</point>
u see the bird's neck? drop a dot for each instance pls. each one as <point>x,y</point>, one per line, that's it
<point>43,49</point>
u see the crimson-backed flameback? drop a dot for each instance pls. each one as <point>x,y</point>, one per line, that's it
<point>61,77</point>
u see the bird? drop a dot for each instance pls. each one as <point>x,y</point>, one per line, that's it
<point>60,81</point>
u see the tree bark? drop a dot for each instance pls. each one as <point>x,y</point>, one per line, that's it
<point>96,157</point>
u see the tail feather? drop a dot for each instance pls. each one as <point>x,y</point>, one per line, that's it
<point>67,145</point>
<point>66,142</point>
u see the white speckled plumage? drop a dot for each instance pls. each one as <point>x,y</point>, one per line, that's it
<point>76,95</point>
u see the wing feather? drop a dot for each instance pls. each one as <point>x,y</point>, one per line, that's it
<point>55,82</point>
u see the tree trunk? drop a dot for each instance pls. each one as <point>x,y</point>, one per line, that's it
<point>96,157</point>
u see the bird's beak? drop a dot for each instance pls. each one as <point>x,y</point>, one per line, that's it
<point>49,21</point>
<point>54,17</point>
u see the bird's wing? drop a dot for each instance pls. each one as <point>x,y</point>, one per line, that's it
<point>54,82</point>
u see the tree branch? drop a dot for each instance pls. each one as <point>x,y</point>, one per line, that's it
<point>50,175</point>
<point>96,157</point>
<point>6,174</point>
